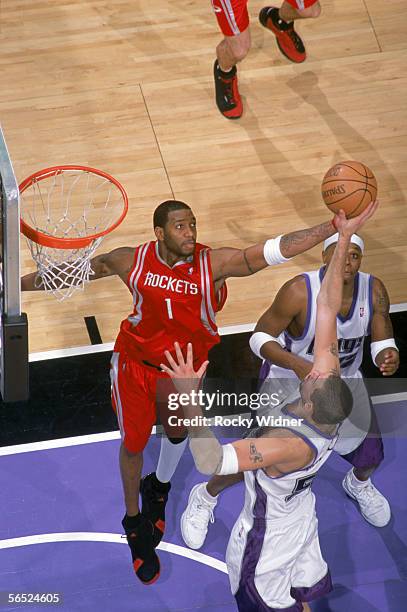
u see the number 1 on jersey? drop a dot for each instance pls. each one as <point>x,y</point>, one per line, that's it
<point>169,308</point>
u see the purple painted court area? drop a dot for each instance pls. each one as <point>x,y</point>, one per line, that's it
<point>76,489</point>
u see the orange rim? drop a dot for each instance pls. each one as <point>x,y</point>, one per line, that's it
<point>68,243</point>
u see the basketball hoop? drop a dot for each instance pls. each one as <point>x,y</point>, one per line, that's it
<point>66,211</point>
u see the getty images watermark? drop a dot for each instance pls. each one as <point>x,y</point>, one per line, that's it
<point>210,401</point>
<point>274,405</point>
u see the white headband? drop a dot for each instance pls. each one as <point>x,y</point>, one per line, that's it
<point>354,240</point>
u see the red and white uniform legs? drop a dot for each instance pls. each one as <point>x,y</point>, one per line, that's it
<point>232,16</point>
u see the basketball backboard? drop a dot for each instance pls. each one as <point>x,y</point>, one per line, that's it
<point>14,328</point>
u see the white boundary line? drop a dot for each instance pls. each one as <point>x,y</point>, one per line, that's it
<point>237,329</point>
<point>398,307</point>
<point>389,398</point>
<point>16,449</point>
<point>59,443</point>
<point>71,352</point>
<point>115,435</point>
<point>113,538</point>
<point>108,346</point>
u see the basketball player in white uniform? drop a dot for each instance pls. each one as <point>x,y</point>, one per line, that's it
<point>273,557</point>
<point>284,338</point>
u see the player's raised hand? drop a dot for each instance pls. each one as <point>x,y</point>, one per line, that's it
<point>181,370</point>
<point>350,226</point>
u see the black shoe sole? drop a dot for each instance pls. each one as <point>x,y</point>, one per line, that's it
<point>151,580</point>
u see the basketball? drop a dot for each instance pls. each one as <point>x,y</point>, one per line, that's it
<point>349,185</point>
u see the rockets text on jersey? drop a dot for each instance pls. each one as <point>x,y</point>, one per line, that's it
<point>170,304</point>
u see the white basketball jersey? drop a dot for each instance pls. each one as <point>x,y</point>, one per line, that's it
<point>351,329</point>
<point>274,544</point>
<point>351,332</point>
<point>290,493</point>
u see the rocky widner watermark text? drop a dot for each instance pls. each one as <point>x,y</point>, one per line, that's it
<point>223,400</point>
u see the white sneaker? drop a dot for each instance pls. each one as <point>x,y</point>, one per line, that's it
<point>197,516</point>
<point>374,507</point>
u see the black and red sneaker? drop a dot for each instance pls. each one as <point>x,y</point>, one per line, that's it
<point>289,43</point>
<point>139,534</point>
<point>228,98</point>
<point>154,496</point>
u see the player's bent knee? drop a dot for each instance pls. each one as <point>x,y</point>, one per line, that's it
<point>313,11</point>
<point>240,53</point>
<point>316,10</point>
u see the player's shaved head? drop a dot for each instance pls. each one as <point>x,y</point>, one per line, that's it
<point>332,401</point>
<point>160,217</point>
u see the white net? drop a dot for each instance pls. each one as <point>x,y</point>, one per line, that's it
<point>69,204</point>
<point>63,271</point>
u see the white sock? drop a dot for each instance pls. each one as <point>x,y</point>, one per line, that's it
<point>207,496</point>
<point>170,454</point>
<point>355,482</point>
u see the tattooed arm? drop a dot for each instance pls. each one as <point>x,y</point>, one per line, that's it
<point>298,242</point>
<point>388,359</point>
<point>382,327</point>
<point>277,451</point>
<point>227,262</point>
<point>285,449</point>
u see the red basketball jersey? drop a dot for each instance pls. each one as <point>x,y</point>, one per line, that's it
<point>170,304</point>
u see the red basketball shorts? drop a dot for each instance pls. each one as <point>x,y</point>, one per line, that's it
<point>136,403</point>
<point>233,17</point>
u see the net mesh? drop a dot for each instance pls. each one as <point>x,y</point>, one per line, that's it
<point>63,271</point>
<point>68,204</point>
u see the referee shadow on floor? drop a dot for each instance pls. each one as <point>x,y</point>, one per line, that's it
<point>305,88</point>
<point>395,546</point>
<point>396,594</point>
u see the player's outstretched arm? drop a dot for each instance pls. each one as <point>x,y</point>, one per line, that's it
<point>384,350</point>
<point>290,300</point>
<point>119,261</point>
<point>31,282</point>
<point>209,455</point>
<point>227,262</point>
<point>326,358</point>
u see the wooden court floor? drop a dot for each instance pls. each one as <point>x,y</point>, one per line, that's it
<point>127,87</point>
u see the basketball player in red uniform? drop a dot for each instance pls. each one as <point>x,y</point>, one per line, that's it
<point>177,286</point>
<point>233,20</point>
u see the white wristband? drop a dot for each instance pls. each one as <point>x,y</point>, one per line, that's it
<point>230,463</point>
<point>376,347</point>
<point>258,339</point>
<point>272,253</point>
